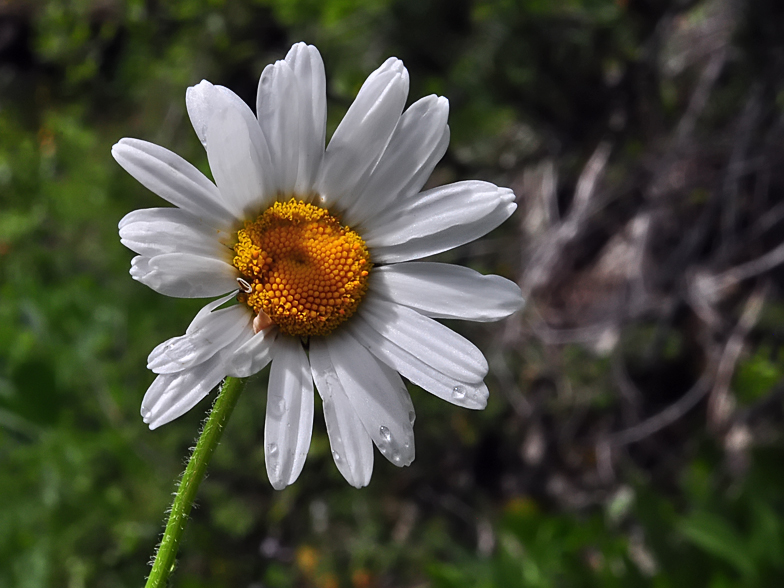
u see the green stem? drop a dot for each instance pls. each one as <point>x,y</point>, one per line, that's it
<point>189,485</point>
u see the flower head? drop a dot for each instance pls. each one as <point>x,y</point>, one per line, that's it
<point>316,247</point>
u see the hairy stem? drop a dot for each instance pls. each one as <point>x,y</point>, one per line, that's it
<point>166,555</point>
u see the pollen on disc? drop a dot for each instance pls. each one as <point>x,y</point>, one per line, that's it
<point>306,271</point>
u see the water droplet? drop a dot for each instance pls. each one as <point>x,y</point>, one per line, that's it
<point>458,392</point>
<point>411,417</point>
<point>396,459</point>
<point>272,449</point>
<point>336,456</point>
<point>385,434</point>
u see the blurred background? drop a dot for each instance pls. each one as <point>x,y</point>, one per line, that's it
<point>634,431</point>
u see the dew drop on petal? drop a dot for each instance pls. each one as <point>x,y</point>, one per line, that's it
<point>272,449</point>
<point>411,416</point>
<point>458,392</point>
<point>336,456</point>
<point>385,434</point>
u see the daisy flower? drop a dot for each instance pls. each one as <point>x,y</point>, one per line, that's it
<point>317,248</point>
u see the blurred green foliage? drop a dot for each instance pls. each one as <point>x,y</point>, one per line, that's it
<point>719,539</point>
<point>84,484</point>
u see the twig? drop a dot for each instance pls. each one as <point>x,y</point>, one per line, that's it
<point>629,392</point>
<point>736,168</point>
<point>685,128</point>
<point>771,218</point>
<point>713,285</point>
<point>552,336</point>
<point>720,402</point>
<point>699,97</point>
<point>508,381</point>
<point>545,257</point>
<point>586,185</point>
<point>724,370</point>
<point>667,416</point>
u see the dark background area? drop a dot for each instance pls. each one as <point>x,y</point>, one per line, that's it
<point>634,431</point>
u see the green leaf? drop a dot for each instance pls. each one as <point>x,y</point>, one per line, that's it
<point>715,536</point>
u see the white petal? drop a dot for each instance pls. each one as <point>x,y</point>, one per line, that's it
<point>289,422</point>
<point>199,321</point>
<point>217,330</point>
<point>419,178</point>
<point>183,275</point>
<point>407,162</point>
<point>308,68</point>
<point>420,371</point>
<point>154,231</point>
<point>278,111</point>
<point>236,166</point>
<point>253,357</point>
<point>444,290</point>
<point>362,135</point>
<point>291,108</point>
<point>172,395</point>
<point>438,220</point>
<point>352,447</point>
<point>140,267</point>
<point>435,344</point>
<point>204,312</point>
<point>378,396</point>
<point>173,179</point>
<point>205,99</point>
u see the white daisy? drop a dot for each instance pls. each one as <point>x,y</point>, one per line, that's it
<point>316,246</point>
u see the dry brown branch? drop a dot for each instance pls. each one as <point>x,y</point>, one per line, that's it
<point>663,176</point>
<point>667,416</point>
<point>630,394</point>
<point>706,289</point>
<point>721,403</point>
<point>538,192</point>
<point>548,253</point>
<point>586,185</point>
<point>737,167</point>
<point>718,382</point>
<point>769,219</point>
<point>666,247</point>
<point>508,381</point>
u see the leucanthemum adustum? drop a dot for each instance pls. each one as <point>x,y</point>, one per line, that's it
<point>317,247</point>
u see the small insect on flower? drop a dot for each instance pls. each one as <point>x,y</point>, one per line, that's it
<point>313,252</point>
<point>244,286</point>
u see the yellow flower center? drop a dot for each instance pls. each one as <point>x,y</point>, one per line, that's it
<point>301,269</point>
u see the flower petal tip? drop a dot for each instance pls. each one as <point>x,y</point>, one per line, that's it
<point>506,194</point>
<point>278,484</point>
<point>360,483</point>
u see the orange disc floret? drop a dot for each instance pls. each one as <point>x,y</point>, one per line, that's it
<point>306,271</point>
